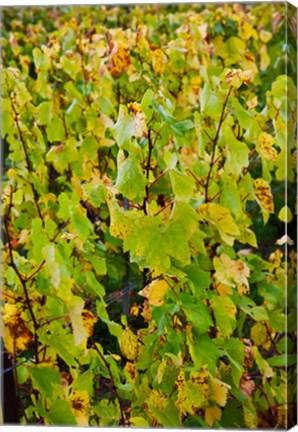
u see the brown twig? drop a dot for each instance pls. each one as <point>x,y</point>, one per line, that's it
<point>40,267</point>
<point>215,140</point>
<point>52,319</point>
<point>24,146</point>
<point>195,177</point>
<point>158,177</point>
<point>147,168</point>
<point>112,381</point>
<point>164,208</point>
<point>21,278</point>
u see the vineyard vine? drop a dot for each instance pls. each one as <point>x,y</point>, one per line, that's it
<point>149,164</point>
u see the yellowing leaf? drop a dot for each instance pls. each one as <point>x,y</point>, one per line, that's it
<point>89,321</point>
<point>232,272</point>
<point>191,394</point>
<point>76,305</point>
<point>220,391</point>
<point>248,31</point>
<point>16,334</point>
<point>285,214</point>
<point>265,59</point>
<point>80,402</point>
<point>120,58</point>
<point>222,289</point>
<point>158,61</point>
<point>263,195</point>
<point>265,146</point>
<point>222,219</point>
<point>212,414</point>
<point>120,225</point>
<point>155,292</point>
<point>128,342</point>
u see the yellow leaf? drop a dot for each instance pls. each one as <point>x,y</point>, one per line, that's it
<point>222,289</point>
<point>76,305</point>
<point>80,402</point>
<point>232,272</point>
<point>265,59</point>
<point>128,342</point>
<point>220,391</point>
<point>265,36</point>
<point>263,195</point>
<point>89,321</point>
<point>120,58</point>
<point>158,61</point>
<point>222,219</point>
<point>248,31</point>
<point>258,334</point>
<point>120,226</point>
<point>265,146</point>
<point>134,310</point>
<point>212,414</point>
<point>155,292</point>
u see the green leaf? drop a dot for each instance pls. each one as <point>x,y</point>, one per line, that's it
<point>99,264</point>
<point>81,223</point>
<point>71,64</point>
<point>283,360</point>
<point>45,113</point>
<point>41,60</point>
<point>131,181</point>
<point>285,214</point>
<point>49,253</point>
<point>224,311</point>
<point>203,351</point>
<point>200,279</point>
<point>55,130</point>
<point>108,412</point>
<point>237,152</point>
<point>85,382</point>
<point>147,245</point>
<point>181,127</point>
<point>39,239</point>
<point>234,349</point>
<point>258,313</point>
<point>147,104</point>
<point>60,413</point>
<point>197,314</point>
<point>124,129</point>
<point>45,379</point>
<point>182,184</point>
<point>138,422</point>
<point>210,104</point>
<point>96,287</point>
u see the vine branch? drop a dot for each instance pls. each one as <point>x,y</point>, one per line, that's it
<point>112,381</point>
<point>21,278</point>
<point>215,140</point>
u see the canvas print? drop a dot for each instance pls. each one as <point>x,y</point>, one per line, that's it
<point>148,215</point>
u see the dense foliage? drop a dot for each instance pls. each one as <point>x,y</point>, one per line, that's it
<point>149,154</point>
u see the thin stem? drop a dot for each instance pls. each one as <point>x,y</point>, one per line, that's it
<point>164,208</point>
<point>195,177</point>
<point>52,319</point>
<point>40,267</point>
<point>147,168</point>
<point>21,278</point>
<point>215,140</point>
<point>267,400</point>
<point>112,381</point>
<point>158,177</point>
<point>28,162</point>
